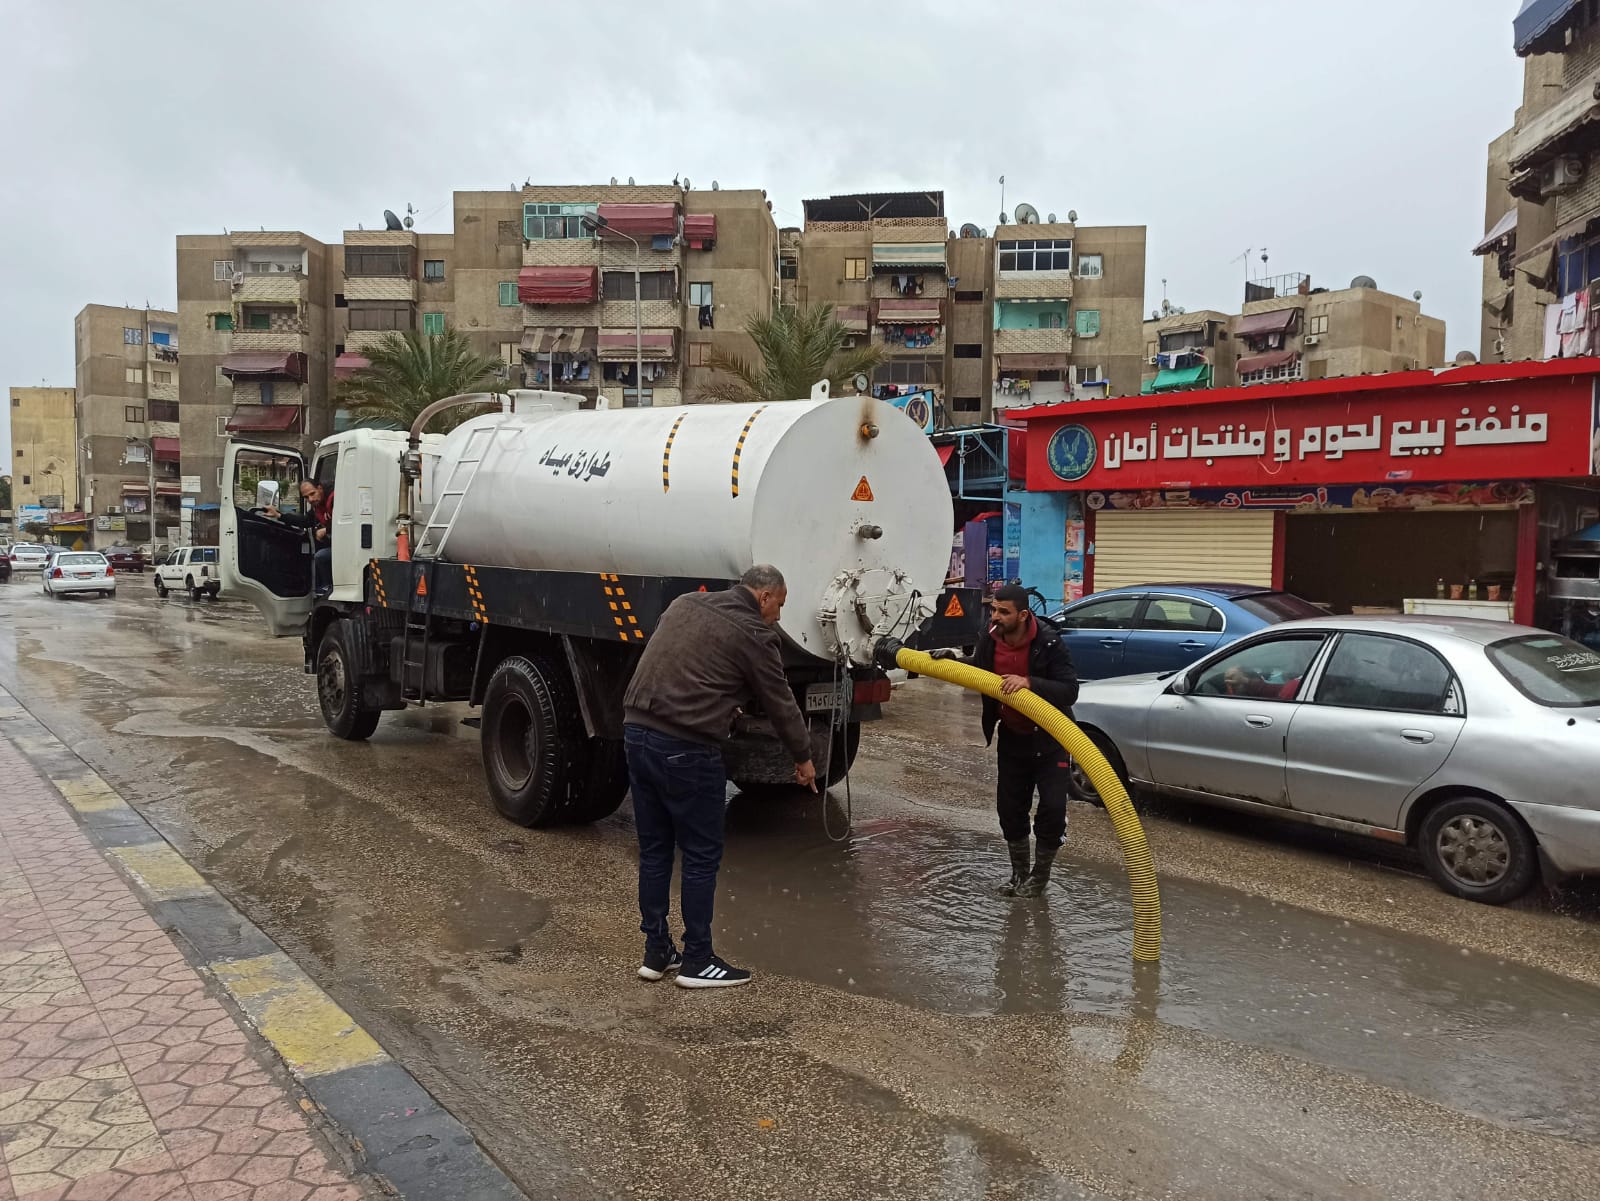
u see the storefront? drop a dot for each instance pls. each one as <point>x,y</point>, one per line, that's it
<point>1415,491</point>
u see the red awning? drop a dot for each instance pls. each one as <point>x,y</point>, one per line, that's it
<point>77,517</point>
<point>640,220</point>
<point>265,364</point>
<point>348,364</point>
<point>653,345</point>
<point>172,488</point>
<point>902,312</point>
<point>558,285</point>
<point>700,230</point>
<point>945,452</point>
<point>166,449</point>
<point>1257,325</point>
<point>1265,362</point>
<point>852,318</point>
<point>278,418</point>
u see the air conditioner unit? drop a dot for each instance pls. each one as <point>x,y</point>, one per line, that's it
<point>114,511</point>
<point>848,344</point>
<point>1312,340</point>
<point>1154,360</point>
<point>1561,175</point>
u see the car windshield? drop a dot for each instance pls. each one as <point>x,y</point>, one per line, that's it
<point>83,560</point>
<point>1549,669</point>
<point>1278,606</point>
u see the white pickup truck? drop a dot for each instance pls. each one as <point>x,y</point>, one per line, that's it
<point>191,569</point>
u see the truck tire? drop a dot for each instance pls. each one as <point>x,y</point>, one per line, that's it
<point>607,785</point>
<point>339,689</point>
<point>541,767</point>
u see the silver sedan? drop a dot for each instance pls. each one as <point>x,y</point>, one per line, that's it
<point>1476,742</point>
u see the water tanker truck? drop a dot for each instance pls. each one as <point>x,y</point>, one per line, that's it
<point>520,562</point>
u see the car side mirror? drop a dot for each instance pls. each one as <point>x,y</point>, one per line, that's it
<point>1179,685</point>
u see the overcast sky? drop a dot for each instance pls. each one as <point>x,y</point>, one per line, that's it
<point>1346,137</point>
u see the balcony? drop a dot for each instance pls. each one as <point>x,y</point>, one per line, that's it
<point>269,287</point>
<point>380,287</point>
<point>168,392</point>
<point>287,337</point>
<point>1033,285</point>
<point>1033,341</point>
<point>158,354</point>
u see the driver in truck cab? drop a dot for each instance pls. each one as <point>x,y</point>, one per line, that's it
<point>318,518</point>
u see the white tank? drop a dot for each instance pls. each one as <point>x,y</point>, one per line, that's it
<point>846,497</point>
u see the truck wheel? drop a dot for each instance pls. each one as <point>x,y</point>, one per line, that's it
<point>161,588</point>
<point>188,583</point>
<point>607,784</point>
<point>339,690</point>
<point>536,753</point>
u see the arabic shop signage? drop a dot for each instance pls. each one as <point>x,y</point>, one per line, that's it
<point>1521,430</point>
<point>1364,498</point>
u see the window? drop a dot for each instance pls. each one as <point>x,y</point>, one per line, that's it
<point>221,268</point>
<point>433,270</point>
<point>969,350</point>
<point>27,479</point>
<point>133,414</point>
<point>1112,613</point>
<point>1176,613</point>
<point>132,337</point>
<point>265,390</point>
<point>1091,266</point>
<point>970,297</point>
<point>1548,670</point>
<point>653,285</point>
<point>258,321</point>
<point>1055,320</point>
<point>339,301</point>
<point>221,322</point>
<point>433,324</point>
<point>375,260</point>
<point>967,404</point>
<point>162,410</point>
<point>1041,254</point>
<point>161,377</point>
<point>549,222</point>
<point>1087,323</point>
<point>222,432</point>
<point>1370,672</point>
<point>788,269</point>
<point>381,315</point>
<point>699,354</point>
<point>1189,339</point>
<point>510,353</point>
<point>1274,607</point>
<point>855,268</point>
<point>1262,671</point>
<point>1318,323</point>
<point>508,293</point>
<point>699,294</point>
<point>922,372</point>
<point>633,398</point>
<point>133,375</point>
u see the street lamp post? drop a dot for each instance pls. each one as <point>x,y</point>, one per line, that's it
<point>594,225</point>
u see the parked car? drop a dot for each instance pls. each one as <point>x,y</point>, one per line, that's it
<point>1161,627</point>
<point>125,558</point>
<point>79,571</point>
<point>1472,741</point>
<point>5,562</point>
<point>28,556</point>
<point>191,569</point>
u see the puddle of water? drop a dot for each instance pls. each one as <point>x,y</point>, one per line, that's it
<point>911,912</point>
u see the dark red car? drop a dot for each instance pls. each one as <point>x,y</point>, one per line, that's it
<point>125,558</point>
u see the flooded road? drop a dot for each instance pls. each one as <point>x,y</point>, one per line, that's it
<point>1324,1023</point>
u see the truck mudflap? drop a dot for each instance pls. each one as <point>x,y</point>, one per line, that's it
<point>956,624</point>
<point>754,756</point>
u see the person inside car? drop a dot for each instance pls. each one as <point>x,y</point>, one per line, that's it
<point>318,518</point>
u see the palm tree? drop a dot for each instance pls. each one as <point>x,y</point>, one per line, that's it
<point>798,347</point>
<point>408,371</point>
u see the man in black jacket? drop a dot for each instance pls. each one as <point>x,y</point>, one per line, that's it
<point>1027,653</point>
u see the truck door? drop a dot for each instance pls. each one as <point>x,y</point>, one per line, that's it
<point>266,560</point>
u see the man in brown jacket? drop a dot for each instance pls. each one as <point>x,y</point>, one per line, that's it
<point>712,654</point>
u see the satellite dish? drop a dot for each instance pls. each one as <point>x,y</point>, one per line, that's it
<point>630,181</point>
<point>715,186</point>
<point>408,221</point>
<point>687,186</point>
<point>1051,218</point>
<point>390,221</point>
<point>969,230</point>
<point>1072,216</point>
<point>1027,214</point>
<point>1417,295</point>
<point>1363,281</point>
<point>613,181</point>
<point>1155,314</point>
<point>983,233</point>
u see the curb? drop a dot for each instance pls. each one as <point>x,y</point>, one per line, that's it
<point>397,1132</point>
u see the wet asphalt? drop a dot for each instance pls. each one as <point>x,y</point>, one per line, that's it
<point>1324,1022</point>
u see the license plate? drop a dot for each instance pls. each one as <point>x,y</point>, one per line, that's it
<point>823,698</point>
<point>83,575</point>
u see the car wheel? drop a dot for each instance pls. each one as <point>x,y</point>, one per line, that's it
<point>1080,786</point>
<point>161,588</point>
<point>188,584</point>
<point>1479,850</point>
<point>339,691</point>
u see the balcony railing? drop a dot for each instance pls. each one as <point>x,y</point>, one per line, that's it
<point>1033,341</point>
<point>269,287</point>
<point>270,339</point>
<point>161,354</point>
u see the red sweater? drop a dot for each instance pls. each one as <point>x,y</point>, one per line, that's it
<point>1013,661</point>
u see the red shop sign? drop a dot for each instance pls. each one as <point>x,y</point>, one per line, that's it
<point>1519,429</point>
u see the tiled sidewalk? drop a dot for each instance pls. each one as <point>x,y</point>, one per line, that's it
<point>122,1078</point>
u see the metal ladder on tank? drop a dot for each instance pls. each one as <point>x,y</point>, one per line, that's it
<point>439,522</point>
<point>414,637</point>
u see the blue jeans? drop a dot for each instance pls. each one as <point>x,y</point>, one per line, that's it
<point>322,571</point>
<point>679,796</point>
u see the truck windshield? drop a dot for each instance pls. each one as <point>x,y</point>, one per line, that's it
<point>1550,670</point>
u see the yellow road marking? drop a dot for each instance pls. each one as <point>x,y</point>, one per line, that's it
<point>88,794</point>
<point>312,1034</point>
<point>162,871</point>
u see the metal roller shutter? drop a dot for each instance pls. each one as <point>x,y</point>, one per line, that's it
<point>1182,545</point>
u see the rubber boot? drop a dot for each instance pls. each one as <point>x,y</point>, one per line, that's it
<point>1019,867</point>
<point>1034,885</point>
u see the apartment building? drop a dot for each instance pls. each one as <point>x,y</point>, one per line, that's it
<point>1541,242</point>
<point>44,452</point>
<point>1288,330</point>
<point>128,418</point>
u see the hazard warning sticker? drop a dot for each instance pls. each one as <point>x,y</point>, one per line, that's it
<point>954,608</point>
<point>863,490</point>
<point>422,584</point>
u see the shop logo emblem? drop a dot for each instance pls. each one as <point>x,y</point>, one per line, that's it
<point>1071,452</point>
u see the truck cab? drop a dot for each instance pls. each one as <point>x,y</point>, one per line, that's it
<point>267,560</point>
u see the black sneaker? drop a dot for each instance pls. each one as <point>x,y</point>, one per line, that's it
<point>656,965</point>
<point>714,973</point>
